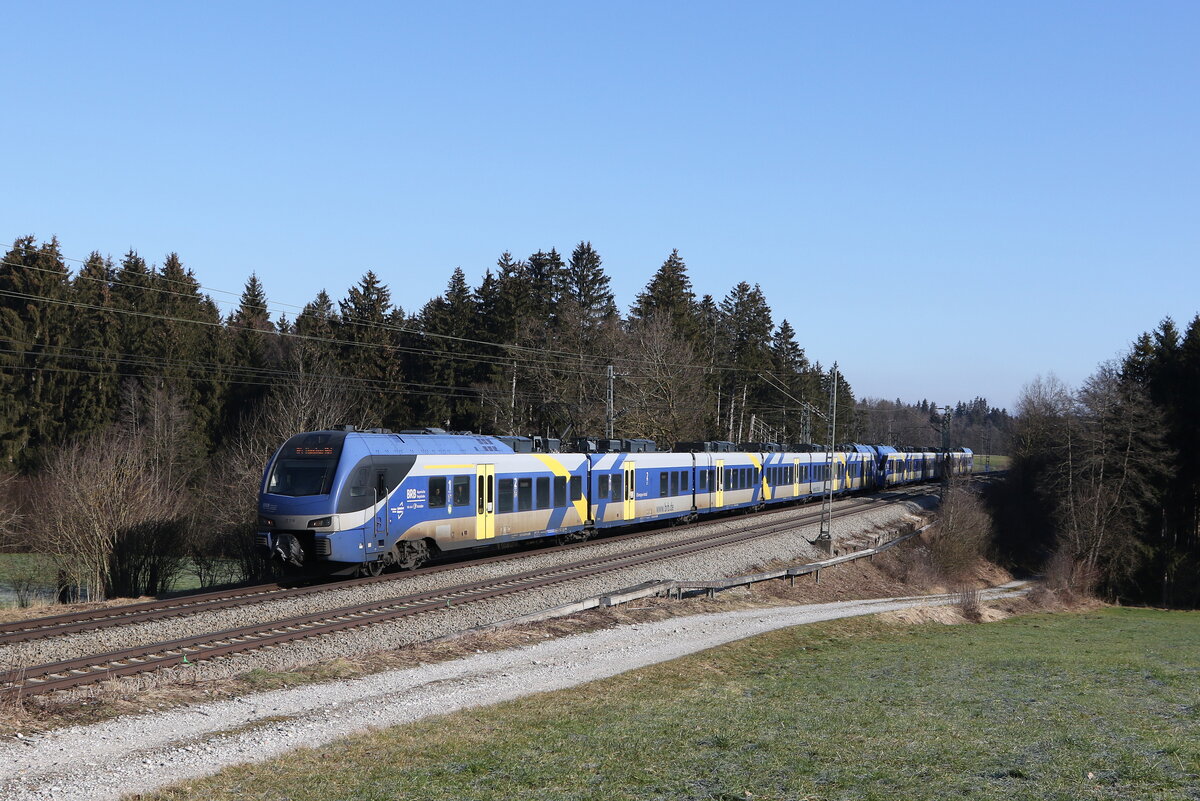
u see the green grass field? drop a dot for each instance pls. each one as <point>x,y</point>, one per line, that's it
<point>996,462</point>
<point>41,570</point>
<point>1101,705</point>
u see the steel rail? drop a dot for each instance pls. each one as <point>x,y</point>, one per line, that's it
<point>86,670</point>
<point>29,629</point>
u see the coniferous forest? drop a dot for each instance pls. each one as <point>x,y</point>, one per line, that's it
<point>147,412</point>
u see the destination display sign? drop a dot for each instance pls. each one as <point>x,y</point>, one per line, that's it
<point>302,451</point>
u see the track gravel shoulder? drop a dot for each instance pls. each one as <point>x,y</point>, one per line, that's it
<point>142,753</point>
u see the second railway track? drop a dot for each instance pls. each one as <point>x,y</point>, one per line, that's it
<point>69,673</point>
<point>20,631</point>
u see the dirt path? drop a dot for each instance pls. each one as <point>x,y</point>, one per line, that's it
<point>146,752</point>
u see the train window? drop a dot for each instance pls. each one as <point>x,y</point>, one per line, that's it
<point>602,487</point>
<point>560,491</point>
<point>674,483</point>
<point>524,494</point>
<point>504,503</point>
<point>437,492</point>
<point>543,492</point>
<point>576,488</point>
<point>615,486</point>
<point>462,490</point>
<point>359,486</point>
<point>702,479</point>
<point>683,481</point>
<point>479,496</point>
<point>662,484</point>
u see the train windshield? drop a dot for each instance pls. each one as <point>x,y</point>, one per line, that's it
<point>306,464</point>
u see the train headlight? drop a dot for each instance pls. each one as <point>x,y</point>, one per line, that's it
<point>265,522</point>
<point>320,522</point>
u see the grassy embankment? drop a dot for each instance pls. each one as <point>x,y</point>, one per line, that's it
<point>995,462</point>
<point>1071,706</point>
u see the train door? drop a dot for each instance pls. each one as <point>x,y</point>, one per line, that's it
<point>485,501</point>
<point>630,490</point>
<point>796,477</point>
<point>381,507</point>
<point>720,486</point>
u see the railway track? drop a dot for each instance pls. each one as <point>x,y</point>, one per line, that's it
<point>128,614</point>
<point>71,673</point>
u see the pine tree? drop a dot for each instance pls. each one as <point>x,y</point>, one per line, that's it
<point>312,347</point>
<point>792,370</point>
<point>789,356</point>
<point>513,301</point>
<point>448,323</point>
<point>371,332</point>
<point>94,336</point>
<point>34,327</point>
<point>546,278</point>
<point>746,330</point>
<point>587,287</point>
<point>136,302</point>
<point>708,316</point>
<point>669,295</point>
<point>186,340</point>
<point>252,352</point>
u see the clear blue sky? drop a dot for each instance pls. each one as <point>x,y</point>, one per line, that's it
<point>1023,176</point>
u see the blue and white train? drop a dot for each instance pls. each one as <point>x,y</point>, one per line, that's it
<point>348,501</point>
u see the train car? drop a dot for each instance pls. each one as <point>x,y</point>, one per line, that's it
<point>360,501</point>
<point>641,487</point>
<point>349,501</point>
<point>960,461</point>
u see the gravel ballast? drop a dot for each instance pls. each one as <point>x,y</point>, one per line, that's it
<point>793,546</point>
<point>146,752</point>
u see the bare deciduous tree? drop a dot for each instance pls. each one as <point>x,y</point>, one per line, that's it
<point>661,393</point>
<point>10,516</point>
<point>1099,457</point>
<point>228,495</point>
<point>962,533</point>
<point>111,506</point>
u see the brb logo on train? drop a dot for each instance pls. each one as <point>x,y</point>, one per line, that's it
<point>415,498</point>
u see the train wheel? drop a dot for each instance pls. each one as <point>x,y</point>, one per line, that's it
<point>370,569</point>
<point>412,554</point>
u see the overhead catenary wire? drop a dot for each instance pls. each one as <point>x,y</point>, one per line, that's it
<point>387,346</point>
<point>540,355</point>
<point>232,373</point>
